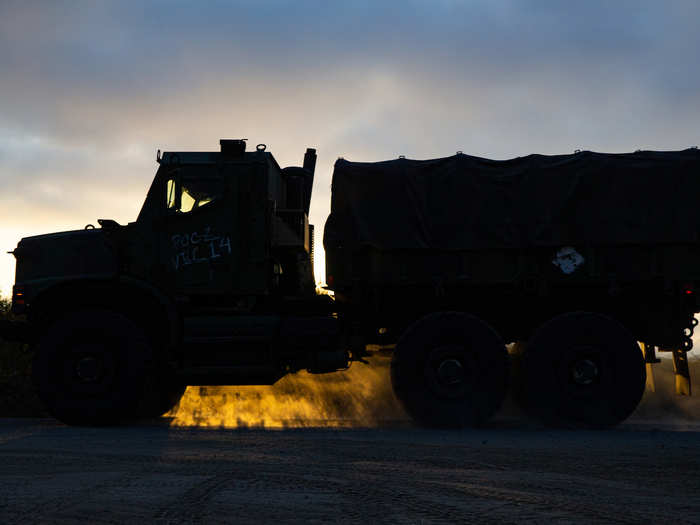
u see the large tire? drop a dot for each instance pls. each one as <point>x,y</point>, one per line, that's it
<point>163,393</point>
<point>582,369</point>
<point>450,369</point>
<point>90,368</point>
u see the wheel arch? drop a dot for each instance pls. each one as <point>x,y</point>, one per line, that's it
<point>133,298</point>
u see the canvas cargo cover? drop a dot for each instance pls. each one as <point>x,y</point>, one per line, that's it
<point>470,203</point>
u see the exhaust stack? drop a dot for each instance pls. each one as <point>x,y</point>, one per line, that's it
<point>310,167</point>
<point>310,161</point>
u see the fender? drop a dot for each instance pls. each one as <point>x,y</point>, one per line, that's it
<point>166,302</point>
<point>134,297</point>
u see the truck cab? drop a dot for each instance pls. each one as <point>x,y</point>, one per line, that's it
<point>232,227</point>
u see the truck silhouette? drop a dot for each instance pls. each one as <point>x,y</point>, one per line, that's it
<point>574,258</point>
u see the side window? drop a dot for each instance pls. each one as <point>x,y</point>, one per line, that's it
<point>171,201</point>
<point>185,194</point>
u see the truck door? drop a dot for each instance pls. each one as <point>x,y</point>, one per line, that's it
<point>198,245</point>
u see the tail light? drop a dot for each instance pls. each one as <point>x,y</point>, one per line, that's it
<point>18,299</point>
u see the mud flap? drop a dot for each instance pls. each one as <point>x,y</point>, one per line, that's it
<point>649,358</point>
<point>680,367</point>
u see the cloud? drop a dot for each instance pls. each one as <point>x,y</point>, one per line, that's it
<point>91,90</point>
<point>106,72</point>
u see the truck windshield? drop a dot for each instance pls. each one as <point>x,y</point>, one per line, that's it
<point>187,194</point>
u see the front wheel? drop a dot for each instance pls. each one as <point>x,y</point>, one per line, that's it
<point>90,368</point>
<point>163,393</point>
<point>450,369</point>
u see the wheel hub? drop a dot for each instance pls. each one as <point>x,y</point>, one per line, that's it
<point>89,369</point>
<point>585,372</point>
<point>450,372</point>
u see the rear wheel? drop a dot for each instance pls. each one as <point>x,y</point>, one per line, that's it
<point>582,369</point>
<point>450,369</point>
<point>90,368</point>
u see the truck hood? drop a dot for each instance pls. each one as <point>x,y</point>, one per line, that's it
<point>78,253</point>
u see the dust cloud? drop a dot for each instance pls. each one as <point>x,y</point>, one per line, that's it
<point>664,404</point>
<point>362,397</point>
<point>359,397</point>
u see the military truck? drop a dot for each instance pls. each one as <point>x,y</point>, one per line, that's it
<point>575,259</point>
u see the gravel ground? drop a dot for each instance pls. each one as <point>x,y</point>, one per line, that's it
<point>512,471</point>
<point>229,455</point>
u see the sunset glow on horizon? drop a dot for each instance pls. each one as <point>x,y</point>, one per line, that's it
<point>90,92</point>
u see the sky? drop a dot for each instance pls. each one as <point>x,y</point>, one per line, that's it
<point>90,90</point>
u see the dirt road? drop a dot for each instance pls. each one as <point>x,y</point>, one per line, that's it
<point>509,472</point>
